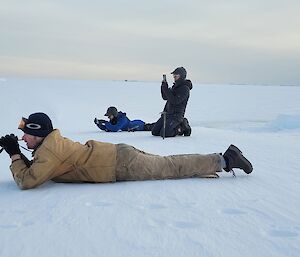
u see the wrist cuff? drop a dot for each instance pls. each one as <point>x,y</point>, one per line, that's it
<point>15,157</point>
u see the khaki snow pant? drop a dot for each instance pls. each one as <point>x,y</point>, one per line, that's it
<point>134,164</point>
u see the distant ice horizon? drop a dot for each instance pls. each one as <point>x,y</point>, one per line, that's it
<point>170,81</point>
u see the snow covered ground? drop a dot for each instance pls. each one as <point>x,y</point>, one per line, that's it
<point>250,215</point>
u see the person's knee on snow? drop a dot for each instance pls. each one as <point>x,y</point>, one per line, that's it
<point>157,127</point>
<point>177,98</point>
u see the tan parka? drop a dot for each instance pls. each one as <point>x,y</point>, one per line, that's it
<point>62,160</point>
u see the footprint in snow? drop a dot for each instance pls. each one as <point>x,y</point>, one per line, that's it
<point>9,226</point>
<point>16,225</point>
<point>282,233</point>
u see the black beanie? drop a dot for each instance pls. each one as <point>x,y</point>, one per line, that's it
<point>111,111</point>
<point>180,71</point>
<point>38,124</point>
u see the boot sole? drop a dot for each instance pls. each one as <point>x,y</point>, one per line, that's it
<point>247,167</point>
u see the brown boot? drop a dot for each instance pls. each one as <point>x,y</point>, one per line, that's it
<point>234,159</point>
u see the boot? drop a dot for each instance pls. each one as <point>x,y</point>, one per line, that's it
<point>186,129</point>
<point>148,126</point>
<point>234,159</point>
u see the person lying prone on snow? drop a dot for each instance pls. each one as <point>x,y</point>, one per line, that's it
<point>118,121</point>
<point>62,160</point>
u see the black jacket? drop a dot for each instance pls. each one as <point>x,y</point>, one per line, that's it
<point>177,97</point>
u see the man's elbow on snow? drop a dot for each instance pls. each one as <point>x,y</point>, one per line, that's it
<point>25,186</point>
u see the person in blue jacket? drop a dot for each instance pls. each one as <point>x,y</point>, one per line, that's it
<point>118,121</point>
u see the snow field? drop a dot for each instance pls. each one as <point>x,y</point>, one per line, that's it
<point>250,215</point>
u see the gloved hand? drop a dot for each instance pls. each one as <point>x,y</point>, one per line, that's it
<point>96,121</point>
<point>164,84</point>
<point>10,144</point>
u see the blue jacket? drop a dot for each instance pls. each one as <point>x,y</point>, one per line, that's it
<point>123,123</point>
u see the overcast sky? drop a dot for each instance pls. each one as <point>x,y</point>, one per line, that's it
<point>225,41</point>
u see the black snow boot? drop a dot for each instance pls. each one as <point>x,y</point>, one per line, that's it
<point>186,128</point>
<point>148,126</point>
<point>234,159</point>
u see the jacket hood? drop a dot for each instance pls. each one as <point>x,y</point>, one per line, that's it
<point>188,83</point>
<point>121,114</point>
<point>185,82</point>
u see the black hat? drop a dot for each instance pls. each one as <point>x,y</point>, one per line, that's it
<point>37,124</point>
<point>111,111</point>
<point>180,71</point>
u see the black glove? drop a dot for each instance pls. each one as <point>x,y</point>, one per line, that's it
<point>96,121</point>
<point>164,84</point>
<point>10,144</point>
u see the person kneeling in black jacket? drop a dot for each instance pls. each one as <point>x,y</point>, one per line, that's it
<point>177,98</point>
